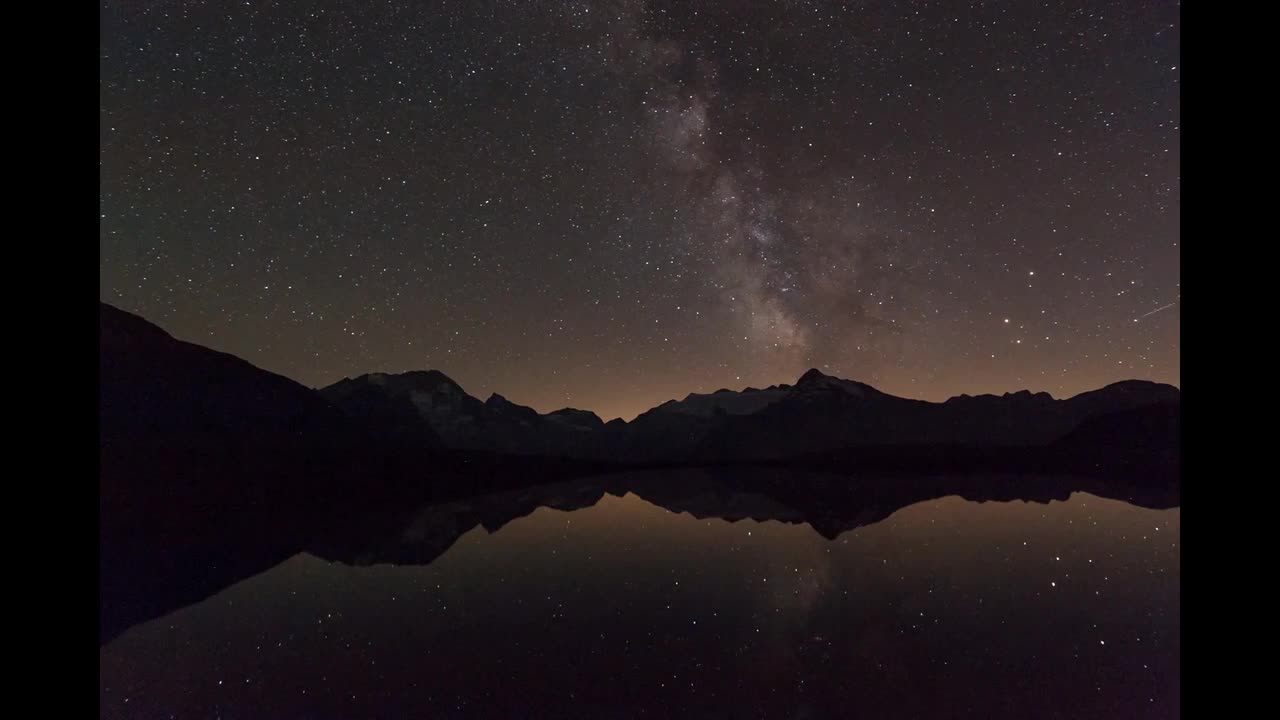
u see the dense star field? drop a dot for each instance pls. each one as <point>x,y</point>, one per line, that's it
<point>609,204</point>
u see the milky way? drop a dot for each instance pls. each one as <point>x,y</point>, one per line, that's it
<point>610,204</point>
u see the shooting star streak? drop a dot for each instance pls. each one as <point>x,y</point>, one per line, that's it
<point>1153,312</point>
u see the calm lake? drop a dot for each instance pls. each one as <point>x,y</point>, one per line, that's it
<point>646,599</point>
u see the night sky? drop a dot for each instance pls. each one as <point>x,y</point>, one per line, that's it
<point>606,205</point>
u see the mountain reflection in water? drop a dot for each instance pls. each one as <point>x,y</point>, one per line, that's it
<point>689,594</point>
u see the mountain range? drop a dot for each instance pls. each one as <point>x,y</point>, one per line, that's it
<point>167,400</point>
<point>818,414</point>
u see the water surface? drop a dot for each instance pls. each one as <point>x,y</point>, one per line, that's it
<point>625,608</point>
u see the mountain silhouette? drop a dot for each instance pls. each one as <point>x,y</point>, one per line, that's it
<point>829,415</point>
<point>464,422</point>
<point>819,414</point>
<point>190,401</point>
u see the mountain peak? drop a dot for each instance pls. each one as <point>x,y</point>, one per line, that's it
<point>814,380</point>
<point>811,375</point>
<point>502,407</point>
<point>573,416</point>
<point>500,404</point>
<point>1145,390</point>
<point>420,380</point>
<point>1137,385</point>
